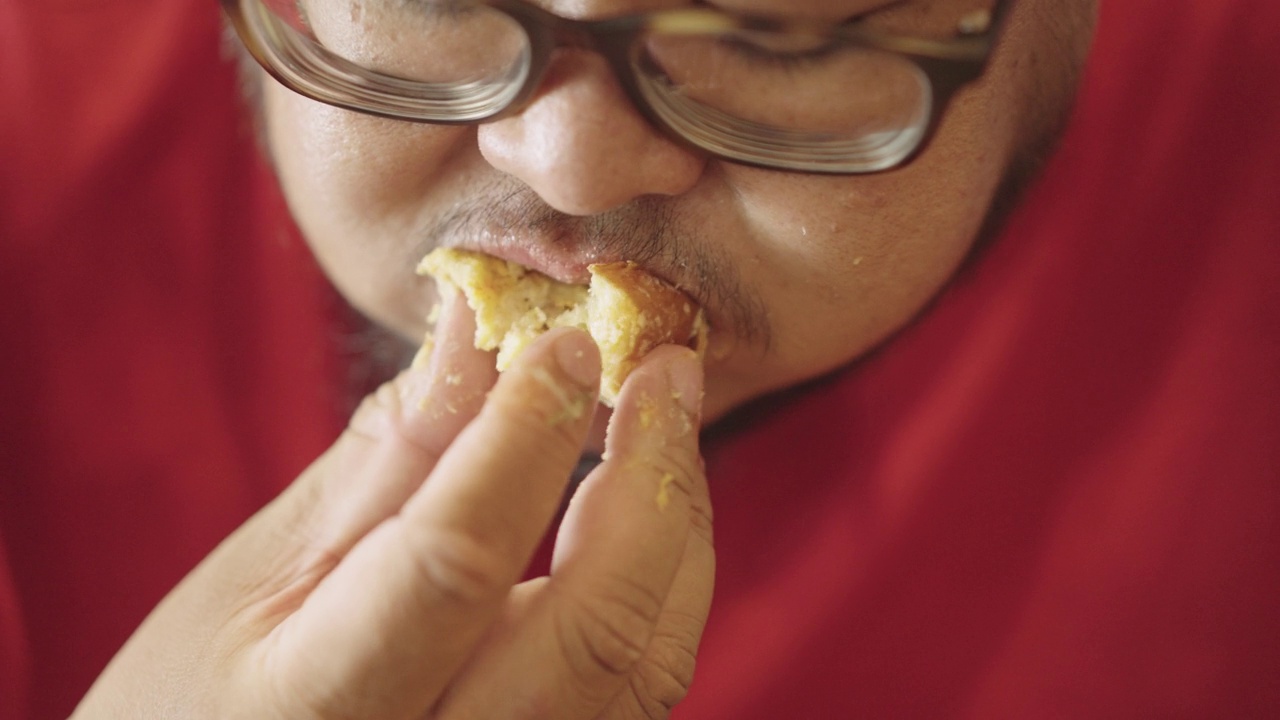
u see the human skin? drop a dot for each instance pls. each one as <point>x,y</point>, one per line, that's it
<point>384,582</point>
<point>799,274</point>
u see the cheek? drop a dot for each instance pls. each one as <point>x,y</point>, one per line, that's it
<point>344,165</point>
<point>358,186</point>
<point>842,263</point>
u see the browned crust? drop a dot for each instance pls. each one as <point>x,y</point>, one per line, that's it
<point>670,317</point>
<point>649,313</point>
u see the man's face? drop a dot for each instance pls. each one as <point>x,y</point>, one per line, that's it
<point>799,274</point>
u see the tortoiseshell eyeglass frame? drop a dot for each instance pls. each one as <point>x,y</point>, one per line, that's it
<point>948,64</point>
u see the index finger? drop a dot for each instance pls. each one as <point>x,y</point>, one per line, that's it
<point>383,634</point>
<point>571,642</point>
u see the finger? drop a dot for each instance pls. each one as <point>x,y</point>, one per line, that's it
<point>262,572</point>
<point>399,433</point>
<point>573,648</point>
<point>664,675</point>
<point>390,446</point>
<point>388,628</point>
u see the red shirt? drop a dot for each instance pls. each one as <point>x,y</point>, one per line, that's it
<point>1055,495</point>
<point>166,351</point>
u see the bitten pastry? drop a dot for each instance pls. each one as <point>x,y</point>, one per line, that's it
<point>625,309</point>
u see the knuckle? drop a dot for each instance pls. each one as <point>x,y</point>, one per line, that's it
<point>456,568</point>
<point>658,688</point>
<point>701,519</point>
<point>663,678</point>
<point>609,634</point>
<point>671,668</point>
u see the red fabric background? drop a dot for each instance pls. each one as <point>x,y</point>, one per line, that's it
<point>166,360</point>
<point>1058,495</point>
<point>1055,496</point>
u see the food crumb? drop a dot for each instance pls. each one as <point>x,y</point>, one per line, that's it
<point>422,358</point>
<point>454,379</point>
<point>647,408</point>
<point>664,490</point>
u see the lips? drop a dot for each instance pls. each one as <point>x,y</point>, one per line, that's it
<point>562,259</point>
<point>566,262</point>
<point>514,224</point>
<point>550,259</point>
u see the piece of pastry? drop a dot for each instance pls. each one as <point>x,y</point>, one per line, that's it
<point>625,309</point>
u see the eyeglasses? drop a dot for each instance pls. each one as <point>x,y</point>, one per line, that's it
<point>794,95</point>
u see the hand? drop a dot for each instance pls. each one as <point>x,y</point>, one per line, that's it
<point>383,582</point>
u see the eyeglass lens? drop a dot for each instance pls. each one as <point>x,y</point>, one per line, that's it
<point>740,88</point>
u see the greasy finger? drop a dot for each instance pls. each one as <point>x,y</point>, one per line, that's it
<point>261,573</point>
<point>663,676</point>
<point>398,434</point>
<point>391,445</point>
<point>410,601</point>
<point>574,648</point>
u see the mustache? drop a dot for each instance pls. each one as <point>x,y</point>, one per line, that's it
<point>654,232</point>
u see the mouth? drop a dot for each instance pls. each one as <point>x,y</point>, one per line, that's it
<point>569,262</point>
<point>654,233</point>
<point>560,261</point>
<point>512,223</point>
<point>566,259</point>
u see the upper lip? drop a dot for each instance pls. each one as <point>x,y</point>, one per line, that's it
<point>564,261</point>
<point>509,221</point>
<point>566,264</point>
<point>563,249</point>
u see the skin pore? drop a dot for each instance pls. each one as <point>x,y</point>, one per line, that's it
<point>799,274</point>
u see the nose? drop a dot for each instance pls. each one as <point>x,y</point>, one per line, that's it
<point>583,147</point>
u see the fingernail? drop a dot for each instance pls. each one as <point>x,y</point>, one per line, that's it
<point>685,375</point>
<point>578,357</point>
